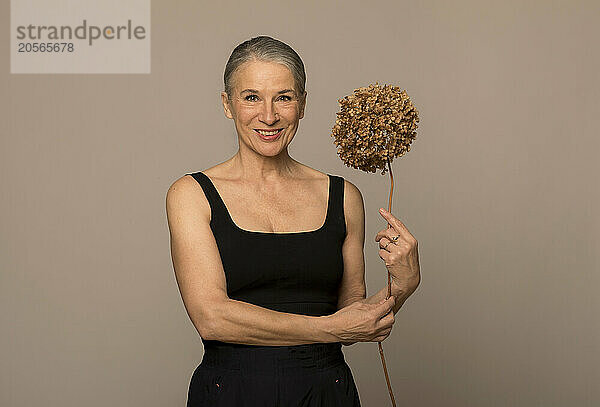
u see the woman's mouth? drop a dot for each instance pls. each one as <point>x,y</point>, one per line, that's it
<point>269,135</point>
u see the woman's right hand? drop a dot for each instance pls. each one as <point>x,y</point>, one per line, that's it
<point>360,322</point>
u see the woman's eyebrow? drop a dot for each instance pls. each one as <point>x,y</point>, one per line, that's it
<point>279,93</point>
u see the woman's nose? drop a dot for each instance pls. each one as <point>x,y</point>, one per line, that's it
<point>268,114</point>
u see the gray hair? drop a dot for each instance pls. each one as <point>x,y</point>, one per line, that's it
<point>264,48</point>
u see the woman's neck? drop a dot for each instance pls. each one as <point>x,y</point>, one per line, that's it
<point>257,167</point>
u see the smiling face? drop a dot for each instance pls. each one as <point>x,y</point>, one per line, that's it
<point>264,97</point>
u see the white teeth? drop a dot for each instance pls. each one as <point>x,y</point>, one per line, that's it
<point>268,133</point>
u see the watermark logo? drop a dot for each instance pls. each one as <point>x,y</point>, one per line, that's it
<point>80,36</point>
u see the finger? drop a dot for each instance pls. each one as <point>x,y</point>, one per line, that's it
<point>388,233</point>
<point>387,322</point>
<point>384,242</point>
<point>391,228</point>
<point>389,318</point>
<point>396,223</point>
<point>385,256</point>
<point>381,338</point>
<point>387,305</point>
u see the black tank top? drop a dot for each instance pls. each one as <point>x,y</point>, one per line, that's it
<point>294,272</point>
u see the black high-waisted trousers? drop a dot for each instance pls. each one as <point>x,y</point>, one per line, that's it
<point>309,375</point>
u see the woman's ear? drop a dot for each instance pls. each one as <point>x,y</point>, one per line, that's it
<point>302,105</point>
<point>226,105</point>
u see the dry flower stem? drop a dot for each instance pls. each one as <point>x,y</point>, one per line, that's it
<point>375,124</point>
<point>387,378</point>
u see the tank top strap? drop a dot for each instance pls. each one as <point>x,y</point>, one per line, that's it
<point>217,206</point>
<point>337,203</point>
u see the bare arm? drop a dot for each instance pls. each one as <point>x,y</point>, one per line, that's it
<point>241,322</point>
<point>202,284</point>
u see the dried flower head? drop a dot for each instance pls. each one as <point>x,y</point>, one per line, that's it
<point>375,124</point>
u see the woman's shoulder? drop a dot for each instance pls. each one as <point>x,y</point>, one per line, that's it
<point>216,171</point>
<point>189,189</point>
<point>186,198</point>
<point>317,174</point>
<point>314,173</point>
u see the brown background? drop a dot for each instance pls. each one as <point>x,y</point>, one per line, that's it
<point>500,188</point>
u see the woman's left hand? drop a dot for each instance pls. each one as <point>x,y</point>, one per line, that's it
<point>399,250</point>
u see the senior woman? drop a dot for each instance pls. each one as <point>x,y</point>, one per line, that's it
<point>268,253</point>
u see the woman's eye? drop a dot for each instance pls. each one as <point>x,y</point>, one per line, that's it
<point>287,98</point>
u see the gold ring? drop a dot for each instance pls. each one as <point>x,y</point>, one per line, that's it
<point>395,238</point>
